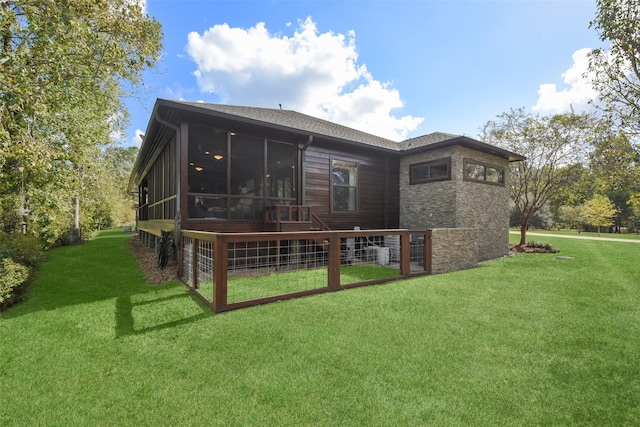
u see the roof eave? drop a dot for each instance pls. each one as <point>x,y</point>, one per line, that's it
<point>470,143</point>
<point>256,122</point>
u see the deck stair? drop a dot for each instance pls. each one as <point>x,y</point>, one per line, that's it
<point>299,218</point>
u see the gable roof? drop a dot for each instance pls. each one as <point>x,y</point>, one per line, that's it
<point>289,120</point>
<point>293,121</point>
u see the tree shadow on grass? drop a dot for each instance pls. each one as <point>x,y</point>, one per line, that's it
<point>136,316</point>
<point>104,269</point>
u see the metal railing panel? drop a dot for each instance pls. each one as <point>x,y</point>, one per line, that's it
<point>234,270</point>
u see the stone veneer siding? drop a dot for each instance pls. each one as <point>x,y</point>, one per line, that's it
<point>458,203</point>
<point>453,249</point>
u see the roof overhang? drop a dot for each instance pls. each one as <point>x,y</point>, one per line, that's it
<point>465,141</point>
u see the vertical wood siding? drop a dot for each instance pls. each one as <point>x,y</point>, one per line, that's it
<point>378,198</point>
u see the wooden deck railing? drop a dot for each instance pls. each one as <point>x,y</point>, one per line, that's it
<point>293,218</point>
<point>234,270</point>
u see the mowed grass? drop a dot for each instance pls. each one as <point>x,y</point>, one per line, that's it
<point>531,235</point>
<point>248,288</point>
<point>526,340</point>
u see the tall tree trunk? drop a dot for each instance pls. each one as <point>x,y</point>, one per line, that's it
<point>74,236</point>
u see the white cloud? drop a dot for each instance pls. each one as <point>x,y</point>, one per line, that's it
<point>309,72</point>
<point>136,140</point>
<point>577,93</point>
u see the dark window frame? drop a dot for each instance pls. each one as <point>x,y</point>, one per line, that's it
<point>332,185</point>
<point>437,162</point>
<point>485,166</point>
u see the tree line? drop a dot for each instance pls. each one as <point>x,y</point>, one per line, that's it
<point>65,68</point>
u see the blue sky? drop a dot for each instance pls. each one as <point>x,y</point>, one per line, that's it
<point>398,69</point>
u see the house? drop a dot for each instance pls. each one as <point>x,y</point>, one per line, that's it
<point>223,168</point>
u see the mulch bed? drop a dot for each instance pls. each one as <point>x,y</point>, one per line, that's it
<point>148,261</point>
<point>529,250</point>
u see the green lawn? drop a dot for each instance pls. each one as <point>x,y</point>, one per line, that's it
<point>526,340</point>
<point>269,284</point>
<point>632,236</point>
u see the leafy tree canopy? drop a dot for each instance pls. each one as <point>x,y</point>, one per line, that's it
<point>599,211</point>
<point>554,146</point>
<point>615,162</point>
<point>64,65</point>
<point>617,70</point>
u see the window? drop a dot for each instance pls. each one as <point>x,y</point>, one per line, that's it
<point>234,175</point>
<point>281,173</point>
<point>436,170</point>
<point>480,172</point>
<point>344,186</point>
<point>207,160</point>
<point>207,173</point>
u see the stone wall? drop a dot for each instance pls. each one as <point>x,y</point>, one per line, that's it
<point>457,203</point>
<point>453,249</point>
<point>431,204</point>
<point>485,207</point>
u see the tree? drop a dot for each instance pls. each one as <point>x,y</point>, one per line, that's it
<point>615,166</point>
<point>553,146</point>
<point>598,211</point>
<point>615,161</point>
<point>572,216</point>
<point>634,203</point>
<point>64,68</point>
<point>617,71</point>
<point>578,187</point>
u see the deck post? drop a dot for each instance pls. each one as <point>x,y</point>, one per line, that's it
<point>333,270</point>
<point>220,270</point>
<point>427,252</point>
<point>405,254</point>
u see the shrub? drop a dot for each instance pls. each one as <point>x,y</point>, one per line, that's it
<point>540,245</point>
<point>13,278</point>
<point>22,248</point>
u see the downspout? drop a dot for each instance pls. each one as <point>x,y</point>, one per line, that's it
<point>303,180</point>
<point>176,219</point>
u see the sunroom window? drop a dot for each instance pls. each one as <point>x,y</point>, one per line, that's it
<point>234,175</point>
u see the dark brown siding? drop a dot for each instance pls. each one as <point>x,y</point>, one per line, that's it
<point>378,183</point>
<point>377,187</point>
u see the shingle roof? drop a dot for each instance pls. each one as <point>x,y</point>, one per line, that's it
<point>297,121</point>
<point>425,140</point>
